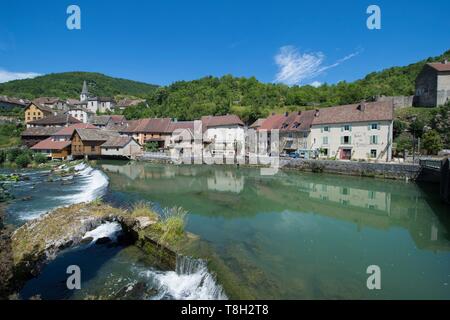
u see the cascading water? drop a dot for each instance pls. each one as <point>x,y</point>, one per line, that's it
<point>190,281</point>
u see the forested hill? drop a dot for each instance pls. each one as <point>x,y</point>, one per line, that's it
<point>251,99</point>
<point>69,84</point>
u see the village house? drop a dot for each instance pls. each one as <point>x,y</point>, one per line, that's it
<point>155,130</point>
<point>35,112</point>
<point>107,121</point>
<point>53,103</point>
<point>58,145</point>
<point>182,137</point>
<point>433,85</point>
<point>59,120</point>
<point>121,147</point>
<point>32,136</point>
<point>87,142</point>
<point>223,135</point>
<point>80,113</point>
<point>10,103</point>
<point>293,129</point>
<point>354,132</point>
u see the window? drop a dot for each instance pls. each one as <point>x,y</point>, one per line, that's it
<point>325,152</point>
<point>290,135</point>
<point>326,128</point>
<point>346,140</point>
<point>347,127</point>
<point>324,140</point>
<point>373,139</point>
<point>373,153</point>
<point>374,126</point>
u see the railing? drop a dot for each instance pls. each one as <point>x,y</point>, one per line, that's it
<point>430,163</point>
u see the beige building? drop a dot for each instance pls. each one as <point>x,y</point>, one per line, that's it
<point>121,146</point>
<point>354,132</point>
<point>433,85</point>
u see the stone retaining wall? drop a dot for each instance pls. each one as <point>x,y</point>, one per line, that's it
<point>367,169</point>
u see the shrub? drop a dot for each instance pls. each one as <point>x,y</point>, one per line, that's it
<point>172,225</point>
<point>432,141</point>
<point>40,158</point>
<point>23,160</point>
<point>142,209</point>
<point>13,154</point>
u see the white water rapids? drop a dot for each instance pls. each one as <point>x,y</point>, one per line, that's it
<point>190,281</point>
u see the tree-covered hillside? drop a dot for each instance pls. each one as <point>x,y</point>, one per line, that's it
<point>252,99</point>
<point>69,84</point>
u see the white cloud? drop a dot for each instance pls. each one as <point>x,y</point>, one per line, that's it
<point>6,76</point>
<point>316,84</point>
<point>294,67</point>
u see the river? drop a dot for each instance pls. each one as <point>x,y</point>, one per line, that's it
<point>288,236</point>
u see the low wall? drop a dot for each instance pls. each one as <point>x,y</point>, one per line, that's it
<point>366,169</point>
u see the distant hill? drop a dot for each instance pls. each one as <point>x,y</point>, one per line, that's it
<point>68,85</point>
<point>252,99</point>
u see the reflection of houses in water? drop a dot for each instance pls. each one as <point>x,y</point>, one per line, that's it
<point>355,197</point>
<point>132,172</point>
<point>226,181</point>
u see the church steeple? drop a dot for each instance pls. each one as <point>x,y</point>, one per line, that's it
<point>84,93</point>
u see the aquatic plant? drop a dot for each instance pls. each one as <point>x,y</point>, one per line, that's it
<point>172,225</point>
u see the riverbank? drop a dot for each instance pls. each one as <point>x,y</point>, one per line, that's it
<point>383,170</point>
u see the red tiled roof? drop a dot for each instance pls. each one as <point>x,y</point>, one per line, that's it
<point>148,125</point>
<point>189,125</point>
<point>68,131</point>
<point>294,121</point>
<point>439,66</point>
<point>117,142</point>
<point>217,121</point>
<point>367,111</point>
<point>49,144</point>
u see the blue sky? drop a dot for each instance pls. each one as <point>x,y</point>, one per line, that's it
<point>164,41</point>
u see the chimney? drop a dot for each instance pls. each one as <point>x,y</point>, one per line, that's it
<point>446,61</point>
<point>317,113</point>
<point>286,114</point>
<point>299,113</point>
<point>362,106</point>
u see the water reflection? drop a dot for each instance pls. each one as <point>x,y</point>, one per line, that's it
<point>237,192</point>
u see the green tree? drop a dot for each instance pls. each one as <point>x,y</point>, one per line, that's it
<point>40,158</point>
<point>404,142</point>
<point>23,160</point>
<point>432,141</point>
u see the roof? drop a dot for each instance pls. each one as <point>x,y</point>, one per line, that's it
<point>294,121</point>
<point>117,142</point>
<point>85,88</point>
<point>68,131</point>
<point>95,134</point>
<point>177,125</point>
<point>40,131</point>
<point>440,66</point>
<point>217,121</point>
<point>363,112</point>
<point>104,120</point>
<point>18,101</point>
<point>41,107</point>
<point>55,119</point>
<point>47,100</point>
<point>101,99</point>
<point>49,144</point>
<point>148,125</point>
<point>257,123</point>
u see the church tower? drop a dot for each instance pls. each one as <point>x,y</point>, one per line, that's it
<point>84,93</point>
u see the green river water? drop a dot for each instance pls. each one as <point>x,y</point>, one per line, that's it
<point>299,235</point>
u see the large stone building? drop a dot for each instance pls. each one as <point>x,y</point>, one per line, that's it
<point>433,85</point>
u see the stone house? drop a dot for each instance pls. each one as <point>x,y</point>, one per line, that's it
<point>80,113</point>
<point>433,85</point>
<point>354,132</point>
<point>35,112</point>
<point>122,147</point>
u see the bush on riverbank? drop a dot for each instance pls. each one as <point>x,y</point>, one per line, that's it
<point>21,157</point>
